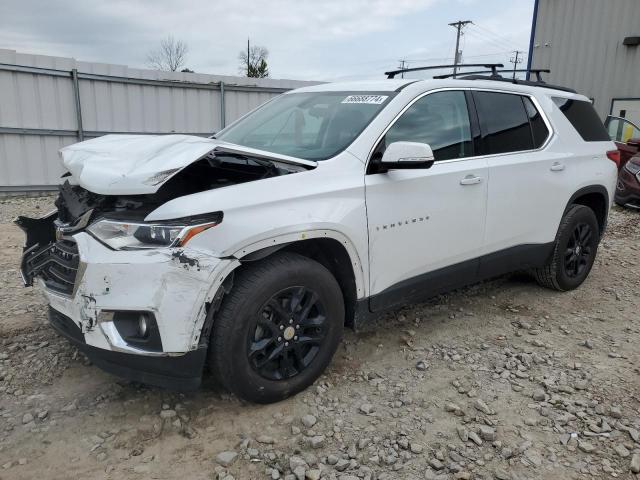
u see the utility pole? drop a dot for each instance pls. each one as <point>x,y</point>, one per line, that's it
<point>458,26</point>
<point>248,62</point>
<point>516,60</point>
<point>402,66</point>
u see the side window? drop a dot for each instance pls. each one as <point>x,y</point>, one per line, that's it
<point>504,123</point>
<point>440,119</point>
<point>539,130</point>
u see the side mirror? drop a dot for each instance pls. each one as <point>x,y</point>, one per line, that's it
<point>401,155</point>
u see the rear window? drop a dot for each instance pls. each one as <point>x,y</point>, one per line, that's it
<point>504,123</point>
<point>584,119</point>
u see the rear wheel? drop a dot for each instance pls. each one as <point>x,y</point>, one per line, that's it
<point>575,250</point>
<point>277,329</point>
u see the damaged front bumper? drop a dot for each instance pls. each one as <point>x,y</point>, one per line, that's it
<point>99,299</point>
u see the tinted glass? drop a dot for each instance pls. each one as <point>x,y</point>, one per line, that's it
<point>313,126</point>
<point>538,128</point>
<point>584,119</point>
<point>439,119</point>
<point>504,123</point>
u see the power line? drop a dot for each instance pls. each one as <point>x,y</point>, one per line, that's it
<point>458,26</point>
<point>501,38</point>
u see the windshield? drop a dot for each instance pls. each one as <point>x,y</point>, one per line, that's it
<point>312,126</point>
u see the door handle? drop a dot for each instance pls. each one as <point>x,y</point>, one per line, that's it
<point>470,180</point>
<point>557,167</point>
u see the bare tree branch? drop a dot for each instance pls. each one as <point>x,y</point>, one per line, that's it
<point>170,56</point>
<point>256,64</point>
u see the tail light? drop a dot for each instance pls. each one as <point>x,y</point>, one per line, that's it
<point>614,156</point>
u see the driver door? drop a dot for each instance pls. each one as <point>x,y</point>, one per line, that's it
<point>427,225</point>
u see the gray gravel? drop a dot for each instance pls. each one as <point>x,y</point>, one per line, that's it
<point>502,380</point>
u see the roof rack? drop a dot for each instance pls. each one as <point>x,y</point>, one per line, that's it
<point>492,66</point>
<point>495,76</point>
<point>494,73</point>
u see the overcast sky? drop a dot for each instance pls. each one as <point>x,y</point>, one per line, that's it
<point>306,39</point>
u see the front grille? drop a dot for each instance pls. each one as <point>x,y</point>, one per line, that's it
<point>56,263</point>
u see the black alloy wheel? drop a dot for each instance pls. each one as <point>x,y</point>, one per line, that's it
<point>577,255</point>
<point>288,334</point>
<point>277,328</point>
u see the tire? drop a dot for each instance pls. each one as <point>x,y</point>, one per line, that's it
<point>255,323</point>
<point>577,238</point>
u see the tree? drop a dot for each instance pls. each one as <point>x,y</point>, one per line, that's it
<point>253,62</point>
<point>170,56</point>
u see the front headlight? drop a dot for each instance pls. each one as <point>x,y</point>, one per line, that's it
<point>125,235</point>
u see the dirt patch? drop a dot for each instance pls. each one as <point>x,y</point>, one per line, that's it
<point>500,380</point>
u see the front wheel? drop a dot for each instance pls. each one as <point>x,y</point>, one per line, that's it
<point>278,328</point>
<point>574,251</point>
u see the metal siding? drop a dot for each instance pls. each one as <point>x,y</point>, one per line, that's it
<point>585,49</point>
<point>40,101</point>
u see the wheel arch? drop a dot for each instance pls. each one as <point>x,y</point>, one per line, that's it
<point>596,197</point>
<point>330,248</point>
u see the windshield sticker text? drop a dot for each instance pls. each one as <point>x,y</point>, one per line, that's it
<point>369,99</point>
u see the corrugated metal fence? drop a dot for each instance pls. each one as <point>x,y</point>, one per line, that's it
<point>49,102</point>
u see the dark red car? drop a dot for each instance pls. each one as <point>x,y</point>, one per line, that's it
<point>627,138</point>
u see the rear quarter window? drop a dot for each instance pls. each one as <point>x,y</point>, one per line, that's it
<point>584,119</point>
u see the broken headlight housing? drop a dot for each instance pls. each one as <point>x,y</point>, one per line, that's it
<point>128,235</point>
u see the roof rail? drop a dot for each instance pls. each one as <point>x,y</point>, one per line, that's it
<point>492,66</point>
<point>495,76</point>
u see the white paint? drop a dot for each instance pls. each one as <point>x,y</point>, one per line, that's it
<point>393,225</point>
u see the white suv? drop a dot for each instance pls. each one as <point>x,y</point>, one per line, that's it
<point>249,251</point>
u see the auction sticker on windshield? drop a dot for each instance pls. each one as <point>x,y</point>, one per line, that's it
<point>370,99</point>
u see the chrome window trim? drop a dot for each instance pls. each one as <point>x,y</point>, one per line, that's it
<point>531,97</point>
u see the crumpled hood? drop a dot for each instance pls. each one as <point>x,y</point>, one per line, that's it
<point>140,164</point>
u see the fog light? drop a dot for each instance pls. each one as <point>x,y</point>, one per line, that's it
<point>143,327</point>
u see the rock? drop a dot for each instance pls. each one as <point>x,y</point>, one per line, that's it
<point>317,441</point>
<point>615,412</point>
<point>312,474</point>
<point>226,459</point>
<point>367,408</point>
<point>586,447</point>
<point>481,406</point>
<point>416,448</point>
<point>539,395</point>
<point>622,451</point>
<point>309,421</point>
<point>487,433</point>
<point>27,418</point>
<point>463,433</point>
<point>635,463</point>
<point>436,464</point>
<point>532,457</point>
<point>300,472</point>
<point>265,439</point>
<point>422,365</point>
<point>342,465</point>
<point>473,436</point>
<point>295,462</point>
<point>168,413</point>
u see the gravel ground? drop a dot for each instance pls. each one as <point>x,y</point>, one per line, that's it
<point>503,380</point>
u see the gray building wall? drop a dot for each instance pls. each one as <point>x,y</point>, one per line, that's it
<point>581,42</point>
<point>40,102</point>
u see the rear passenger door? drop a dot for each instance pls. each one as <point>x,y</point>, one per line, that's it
<point>527,184</point>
